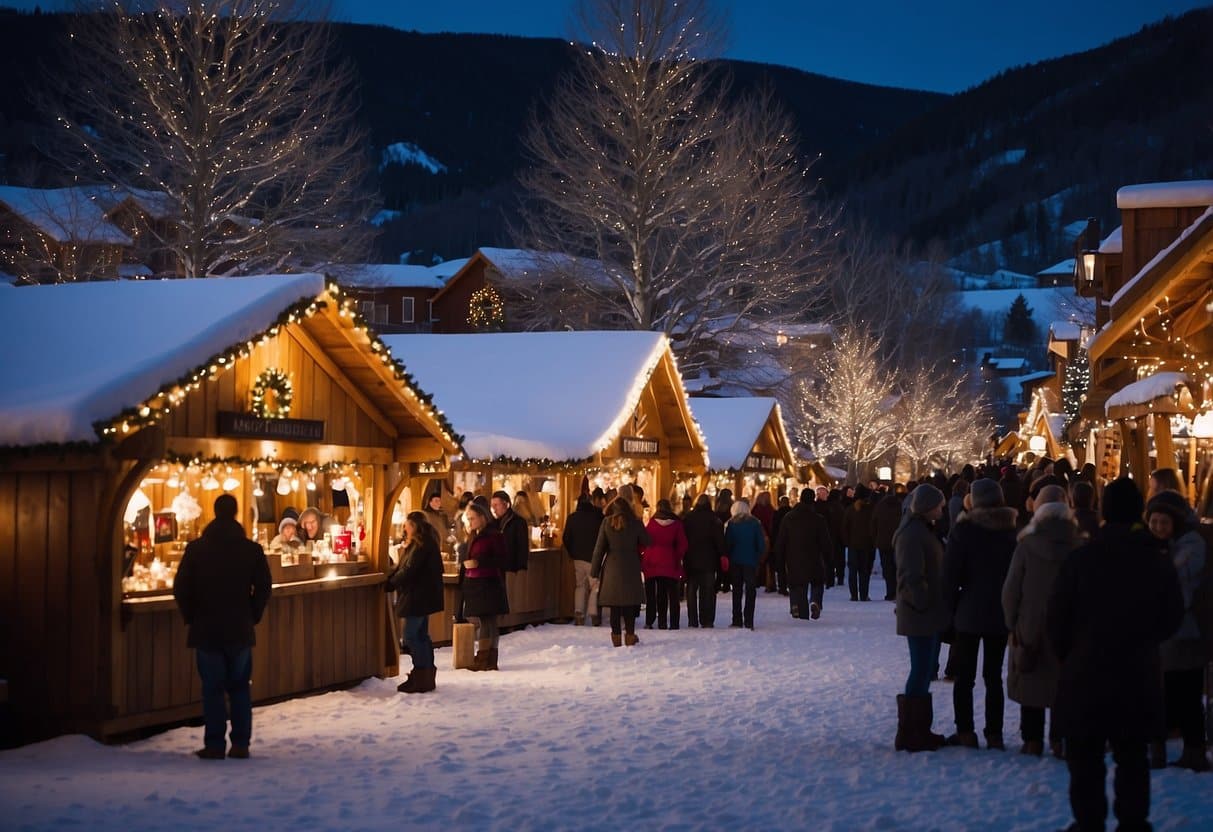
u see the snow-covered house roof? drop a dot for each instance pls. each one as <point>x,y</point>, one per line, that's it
<point>1186,194</point>
<point>156,204</point>
<point>733,426</point>
<point>525,265</point>
<point>1065,331</point>
<point>391,275</point>
<point>1164,392</point>
<point>573,403</point>
<point>66,215</point>
<point>85,369</point>
<point>1062,268</point>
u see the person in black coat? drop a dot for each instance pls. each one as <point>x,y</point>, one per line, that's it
<point>804,547</point>
<point>222,587</point>
<point>976,562</point>
<point>859,535</point>
<point>515,531</point>
<point>887,518</point>
<point>705,550</point>
<point>417,581</point>
<point>1114,601</point>
<point>580,535</point>
<point>780,568</point>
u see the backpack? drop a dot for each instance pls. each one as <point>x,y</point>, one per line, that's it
<point>1202,598</point>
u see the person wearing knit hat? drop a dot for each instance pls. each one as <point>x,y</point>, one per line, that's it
<point>288,536</point>
<point>976,563</point>
<point>1108,689</point>
<point>1171,519</point>
<point>921,615</point>
<point>859,536</point>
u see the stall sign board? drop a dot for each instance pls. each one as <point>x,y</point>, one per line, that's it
<point>762,462</point>
<point>248,426</point>
<point>639,446</point>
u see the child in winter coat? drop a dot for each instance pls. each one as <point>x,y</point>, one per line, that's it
<point>662,565</point>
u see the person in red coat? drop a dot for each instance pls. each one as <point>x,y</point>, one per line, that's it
<point>765,512</point>
<point>661,561</point>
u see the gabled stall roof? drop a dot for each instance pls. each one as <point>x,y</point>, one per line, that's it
<point>1165,392</point>
<point>732,426</point>
<point>83,355</point>
<point>545,396</point>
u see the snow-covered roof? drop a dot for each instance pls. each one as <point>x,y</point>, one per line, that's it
<point>79,367</point>
<point>1157,258</point>
<point>732,426</point>
<point>63,214</point>
<point>134,270</point>
<point>1026,379</point>
<point>519,264</point>
<point>1065,330</point>
<point>1065,267</point>
<point>1015,362</point>
<point>1146,390</point>
<point>571,402</point>
<point>1114,243</point>
<point>1190,194</point>
<point>156,204</point>
<point>391,275</point>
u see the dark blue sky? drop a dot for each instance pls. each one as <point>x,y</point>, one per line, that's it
<point>943,45</point>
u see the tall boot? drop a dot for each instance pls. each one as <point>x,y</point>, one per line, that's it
<point>422,681</point>
<point>903,723</point>
<point>490,661</point>
<point>480,662</point>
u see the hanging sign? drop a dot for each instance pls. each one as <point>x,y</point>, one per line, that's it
<point>251,426</point>
<point>638,446</point>
<point>762,462</point>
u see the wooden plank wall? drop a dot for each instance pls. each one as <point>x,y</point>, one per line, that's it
<point>316,396</point>
<point>50,594</point>
<point>305,642</point>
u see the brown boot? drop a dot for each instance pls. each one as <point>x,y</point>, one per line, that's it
<point>422,680</point>
<point>630,639</point>
<point>617,639</point>
<point>578,619</point>
<point>964,739</point>
<point>481,661</point>
<point>916,713</point>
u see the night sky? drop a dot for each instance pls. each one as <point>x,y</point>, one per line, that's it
<point>941,45</point>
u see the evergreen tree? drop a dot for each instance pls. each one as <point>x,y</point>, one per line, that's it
<point>1019,328</point>
<point>1075,383</point>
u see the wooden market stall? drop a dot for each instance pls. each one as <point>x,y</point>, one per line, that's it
<point>132,407</point>
<point>748,447</point>
<point>554,414</point>
<point>1150,356</point>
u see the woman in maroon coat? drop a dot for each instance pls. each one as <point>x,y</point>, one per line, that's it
<point>484,595</point>
<point>765,512</point>
<point>662,565</point>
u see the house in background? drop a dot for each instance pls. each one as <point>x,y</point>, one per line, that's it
<point>397,298</point>
<point>58,235</point>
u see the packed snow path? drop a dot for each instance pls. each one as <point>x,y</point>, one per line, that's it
<point>787,727</point>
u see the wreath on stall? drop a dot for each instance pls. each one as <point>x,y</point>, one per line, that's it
<point>272,395</point>
<point>486,311</point>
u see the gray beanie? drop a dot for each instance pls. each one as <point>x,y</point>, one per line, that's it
<point>925,498</point>
<point>986,493</point>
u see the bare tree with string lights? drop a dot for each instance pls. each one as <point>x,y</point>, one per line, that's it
<point>233,110</point>
<point>699,210</point>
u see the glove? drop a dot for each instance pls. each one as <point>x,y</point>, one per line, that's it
<point>724,564</point>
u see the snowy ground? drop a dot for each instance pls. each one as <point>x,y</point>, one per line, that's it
<point>787,727</point>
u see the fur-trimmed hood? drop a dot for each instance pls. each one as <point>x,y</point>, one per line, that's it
<point>1052,520</point>
<point>994,518</point>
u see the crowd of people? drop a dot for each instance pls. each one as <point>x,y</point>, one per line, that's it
<point>1095,595</point>
<point>1101,597</point>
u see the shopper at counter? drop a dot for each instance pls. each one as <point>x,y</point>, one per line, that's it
<point>288,536</point>
<point>514,528</point>
<point>222,588</point>
<point>417,581</point>
<point>580,535</point>
<point>484,595</point>
<point>312,524</point>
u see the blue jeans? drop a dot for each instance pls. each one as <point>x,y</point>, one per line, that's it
<point>417,637</point>
<point>226,672</point>
<point>922,664</point>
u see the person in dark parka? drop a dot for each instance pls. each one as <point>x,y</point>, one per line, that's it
<point>580,535</point>
<point>705,549</point>
<point>1114,601</point>
<point>975,566</point>
<point>417,582</point>
<point>515,532</point>
<point>804,548</point>
<point>781,571</point>
<point>859,535</point>
<point>222,588</point>
<point>887,517</point>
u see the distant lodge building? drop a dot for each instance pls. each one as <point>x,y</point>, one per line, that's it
<point>1146,405</point>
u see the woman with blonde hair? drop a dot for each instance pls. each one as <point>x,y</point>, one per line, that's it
<point>484,595</point>
<point>746,543</point>
<point>615,569</point>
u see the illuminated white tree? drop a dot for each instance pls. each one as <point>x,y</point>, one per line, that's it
<point>231,109</point>
<point>938,419</point>
<point>847,411</point>
<point>699,211</point>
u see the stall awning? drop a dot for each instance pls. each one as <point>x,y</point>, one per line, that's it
<point>1158,393</point>
<point>737,429</point>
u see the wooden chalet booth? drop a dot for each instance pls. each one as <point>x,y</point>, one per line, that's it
<point>554,414</point>
<point>1150,357</point>
<point>748,447</point>
<point>129,408</point>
